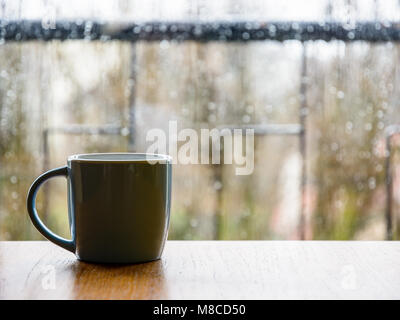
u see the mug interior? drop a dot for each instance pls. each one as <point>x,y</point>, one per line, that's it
<point>120,157</point>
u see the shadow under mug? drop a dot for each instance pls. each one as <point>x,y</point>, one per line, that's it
<point>118,206</point>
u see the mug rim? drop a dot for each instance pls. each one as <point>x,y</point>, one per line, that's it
<point>120,157</point>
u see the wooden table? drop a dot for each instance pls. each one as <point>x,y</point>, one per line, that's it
<point>208,270</point>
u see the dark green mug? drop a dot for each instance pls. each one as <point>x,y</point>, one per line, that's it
<point>118,206</point>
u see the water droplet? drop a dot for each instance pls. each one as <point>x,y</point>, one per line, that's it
<point>245,36</point>
<point>371,183</point>
<point>194,223</point>
<point>217,185</point>
<point>164,44</point>
<point>246,118</point>
<point>349,127</point>
<point>211,106</point>
<point>339,204</point>
<point>272,30</point>
<point>197,31</point>
<point>124,131</point>
<point>4,74</point>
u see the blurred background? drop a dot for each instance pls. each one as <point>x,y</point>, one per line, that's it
<point>326,184</point>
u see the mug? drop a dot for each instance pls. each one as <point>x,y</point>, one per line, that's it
<point>118,206</point>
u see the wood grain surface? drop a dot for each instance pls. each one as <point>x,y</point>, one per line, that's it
<point>208,270</point>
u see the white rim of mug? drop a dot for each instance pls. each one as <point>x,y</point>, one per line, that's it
<point>142,157</point>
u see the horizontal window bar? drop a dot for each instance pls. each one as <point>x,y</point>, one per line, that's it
<point>259,129</point>
<point>241,31</point>
<point>267,129</point>
<point>88,129</point>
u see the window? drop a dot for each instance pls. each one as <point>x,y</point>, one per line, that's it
<point>322,97</point>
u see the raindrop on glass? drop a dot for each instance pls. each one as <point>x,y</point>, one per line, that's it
<point>217,185</point>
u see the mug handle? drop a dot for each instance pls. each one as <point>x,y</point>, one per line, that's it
<point>31,206</point>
